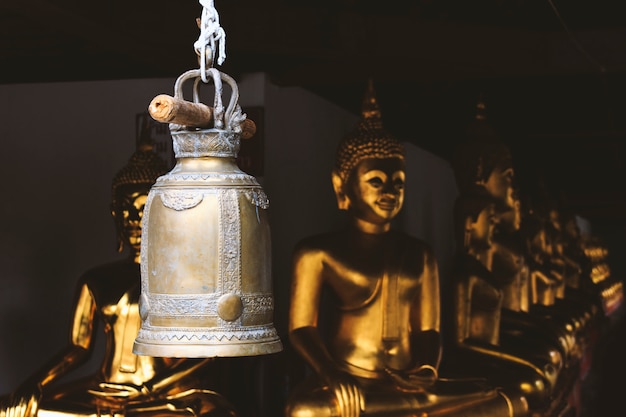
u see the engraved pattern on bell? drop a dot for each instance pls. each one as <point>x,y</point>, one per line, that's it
<point>212,142</point>
<point>187,311</point>
<point>230,242</point>
<point>258,198</point>
<point>174,305</point>
<point>239,179</point>
<point>179,200</point>
<point>246,336</point>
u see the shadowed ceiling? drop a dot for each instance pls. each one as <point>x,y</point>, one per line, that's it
<point>552,73</point>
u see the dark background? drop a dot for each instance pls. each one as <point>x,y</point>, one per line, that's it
<point>551,73</point>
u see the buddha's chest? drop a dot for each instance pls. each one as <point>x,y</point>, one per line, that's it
<point>353,287</point>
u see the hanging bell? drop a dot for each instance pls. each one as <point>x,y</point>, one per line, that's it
<point>206,288</point>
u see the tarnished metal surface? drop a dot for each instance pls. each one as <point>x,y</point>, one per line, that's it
<point>206,253</point>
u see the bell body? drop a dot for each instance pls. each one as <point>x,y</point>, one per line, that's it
<point>206,287</point>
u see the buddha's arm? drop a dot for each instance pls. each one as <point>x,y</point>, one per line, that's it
<point>81,341</point>
<point>172,374</point>
<point>306,290</point>
<point>425,319</point>
<point>540,281</point>
<point>496,351</point>
<point>304,335</point>
<point>462,311</point>
<point>542,273</point>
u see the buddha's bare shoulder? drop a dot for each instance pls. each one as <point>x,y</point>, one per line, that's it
<point>322,243</point>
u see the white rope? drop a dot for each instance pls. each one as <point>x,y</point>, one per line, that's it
<point>211,35</point>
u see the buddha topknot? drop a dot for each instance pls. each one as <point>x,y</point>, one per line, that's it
<point>367,140</point>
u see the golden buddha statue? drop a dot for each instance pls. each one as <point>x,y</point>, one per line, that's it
<point>518,327</point>
<point>483,160</point>
<point>548,279</point>
<point>544,281</point>
<point>490,292</point>
<point>376,349</point>
<point>125,384</point>
<point>474,304</point>
<point>570,298</point>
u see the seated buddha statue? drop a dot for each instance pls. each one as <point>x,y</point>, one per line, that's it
<point>570,298</point>
<point>484,160</point>
<point>542,244</point>
<point>364,308</point>
<point>125,384</point>
<point>509,265</point>
<point>547,282</point>
<point>473,342</point>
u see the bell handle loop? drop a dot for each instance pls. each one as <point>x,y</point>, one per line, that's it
<point>217,100</point>
<point>221,118</point>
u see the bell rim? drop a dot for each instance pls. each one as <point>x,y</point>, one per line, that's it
<point>199,350</point>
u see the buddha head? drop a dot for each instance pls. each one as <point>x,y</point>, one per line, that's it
<point>369,172</point>
<point>483,159</point>
<point>129,192</point>
<point>475,219</point>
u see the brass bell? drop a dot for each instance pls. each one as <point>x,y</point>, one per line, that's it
<point>206,285</point>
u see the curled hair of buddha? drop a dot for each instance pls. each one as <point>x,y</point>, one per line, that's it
<point>480,153</point>
<point>142,170</point>
<point>367,140</point>
<point>143,167</point>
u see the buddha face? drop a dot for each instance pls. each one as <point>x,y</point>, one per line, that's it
<point>129,214</point>
<point>500,184</point>
<point>132,215</point>
<point>375,189</point>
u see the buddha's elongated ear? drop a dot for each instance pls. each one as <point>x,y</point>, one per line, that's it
<point>343,202</point>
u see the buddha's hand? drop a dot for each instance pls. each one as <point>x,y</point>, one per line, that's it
<point>415,381</point>
<point>348,393</point>
<point>124,392</point>
<point>23,402</point>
